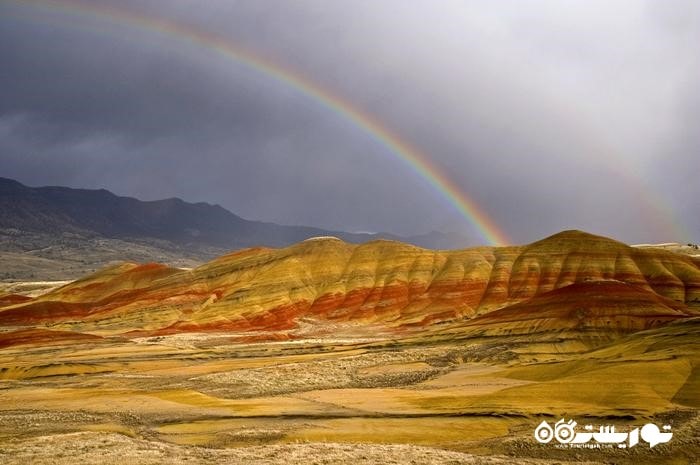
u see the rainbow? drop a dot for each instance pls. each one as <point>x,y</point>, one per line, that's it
<point>401,150</point>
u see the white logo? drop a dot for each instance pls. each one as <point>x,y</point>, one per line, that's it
<point>565,433</point>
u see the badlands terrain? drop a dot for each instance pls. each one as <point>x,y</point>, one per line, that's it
<point>330,352</point>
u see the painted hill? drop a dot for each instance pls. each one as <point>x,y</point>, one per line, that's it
<point>571,279</point>
<point>609,304</point>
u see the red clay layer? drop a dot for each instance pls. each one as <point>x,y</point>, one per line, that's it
<point>42,337</point>
<point>13,299</point>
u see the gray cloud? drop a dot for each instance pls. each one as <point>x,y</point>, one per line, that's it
<point>550,115</point>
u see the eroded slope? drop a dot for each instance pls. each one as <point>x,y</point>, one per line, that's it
<point>396,286</point>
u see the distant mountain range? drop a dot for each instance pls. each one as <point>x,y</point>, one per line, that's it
<point>97,226</point>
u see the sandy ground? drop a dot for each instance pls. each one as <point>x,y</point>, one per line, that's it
<point>204,399</point>
<point>102,448</point>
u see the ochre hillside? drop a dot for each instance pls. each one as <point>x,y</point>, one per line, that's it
<point>571,278</point>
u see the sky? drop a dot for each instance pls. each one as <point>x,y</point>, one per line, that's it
<point>546,115</point>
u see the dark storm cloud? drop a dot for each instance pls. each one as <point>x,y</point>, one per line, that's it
<point>153,118</point>
<point>550,115</point>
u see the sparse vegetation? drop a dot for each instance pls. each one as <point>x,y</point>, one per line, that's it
<point>168,399</point>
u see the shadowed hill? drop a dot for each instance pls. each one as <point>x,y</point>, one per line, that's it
<point>62,209</point>
<point>592,305</point>
<point>61,228</point>
<point>57,233</point>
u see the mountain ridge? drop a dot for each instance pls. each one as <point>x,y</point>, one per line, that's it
<point>64,232</point>
<point>103,212</point>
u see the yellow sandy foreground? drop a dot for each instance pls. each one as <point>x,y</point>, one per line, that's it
<point>429,399</point>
